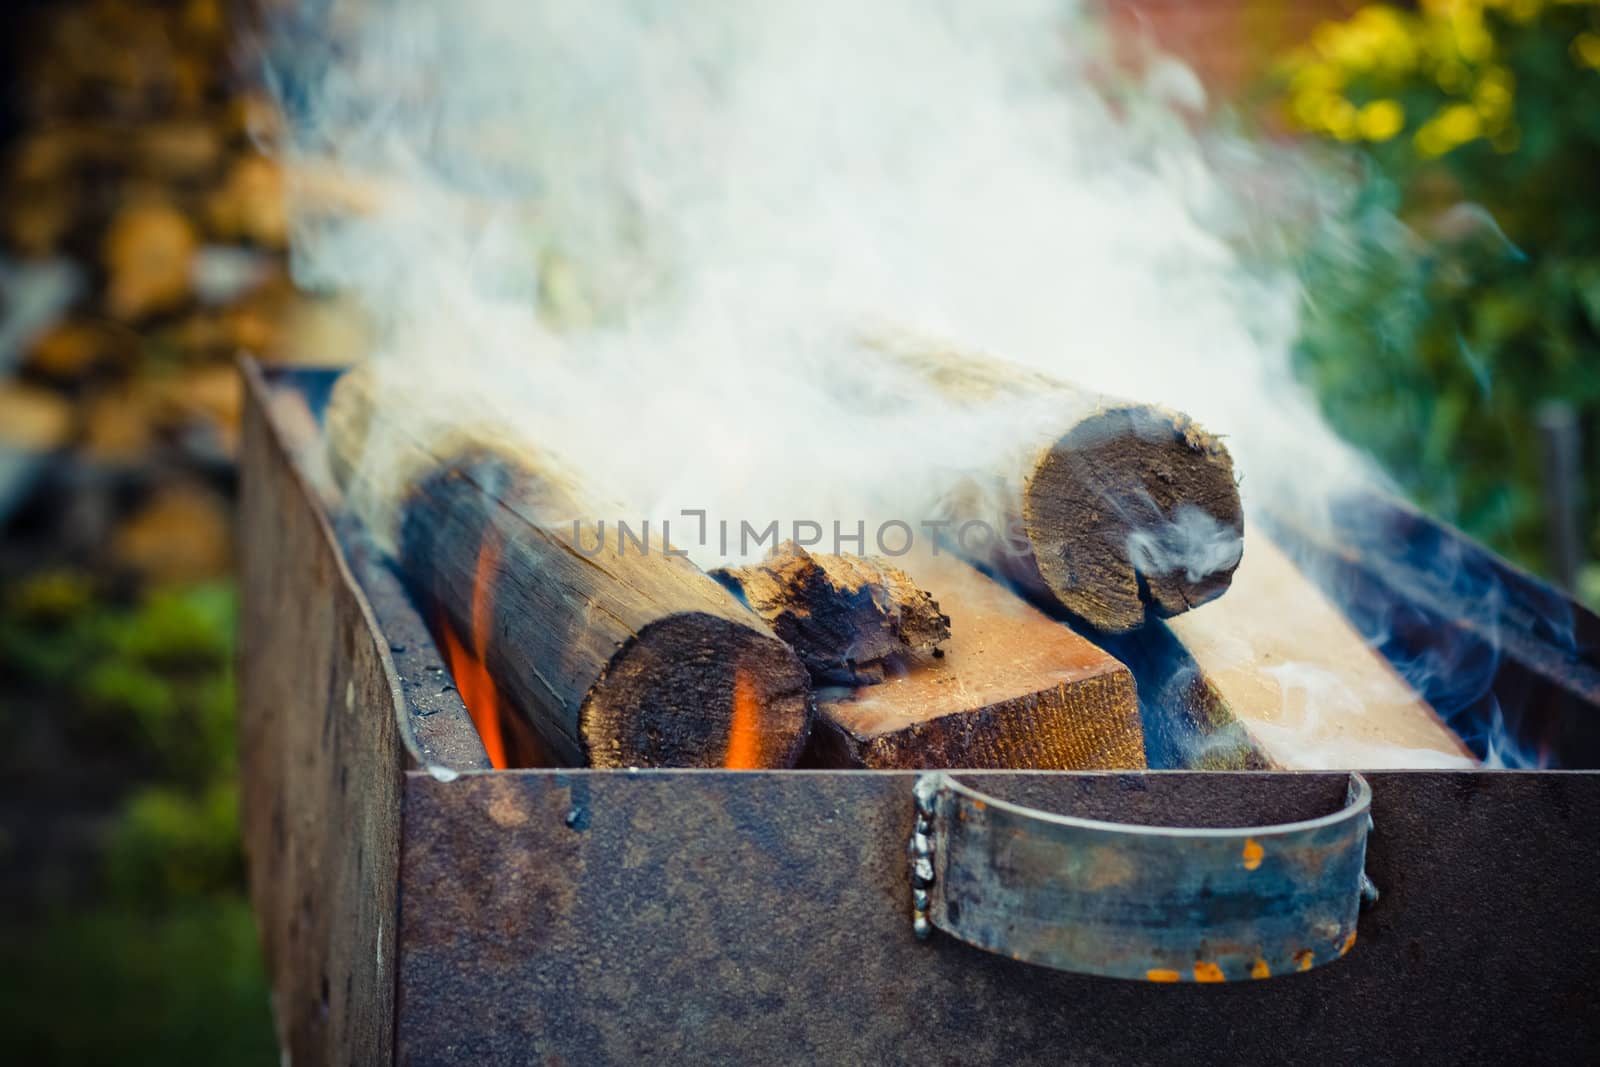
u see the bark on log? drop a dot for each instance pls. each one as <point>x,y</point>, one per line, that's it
<point>841,614</point>
<point>1013,689</point>
<point>1118,513</point>
<point>617,657</point>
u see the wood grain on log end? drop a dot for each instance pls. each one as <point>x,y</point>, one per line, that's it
<point>1127,511</point>
<point>839,613</point>
<point>1133,512</point>
<point>649,708</point>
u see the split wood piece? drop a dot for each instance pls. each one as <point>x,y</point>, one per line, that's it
<point>1277,658</point>
<point>1013,689</point>
<point>149,254</point>
<point>617,657</point>
<point>841,614</point>
<point>1116,511</point>
<point>1513,662</point>
<point>33,419</point>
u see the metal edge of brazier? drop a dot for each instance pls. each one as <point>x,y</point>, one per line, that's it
<point>320,758</point>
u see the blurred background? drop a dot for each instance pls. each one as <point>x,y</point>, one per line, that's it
<point>1451,326</point>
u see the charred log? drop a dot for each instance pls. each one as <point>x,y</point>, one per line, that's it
<point>841,614</point>
<point>1122,512</point>
<point>617,656</point>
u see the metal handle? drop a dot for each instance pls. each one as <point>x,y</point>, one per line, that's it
<point>1160,904</point>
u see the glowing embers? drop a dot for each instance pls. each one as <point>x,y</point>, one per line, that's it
<point>744,733</point>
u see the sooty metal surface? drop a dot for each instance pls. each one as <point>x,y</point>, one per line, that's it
<point>759,917</point>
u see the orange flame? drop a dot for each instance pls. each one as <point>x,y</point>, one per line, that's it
<point>477,693</point>
<point>473,681</point>
<point>744,732</point>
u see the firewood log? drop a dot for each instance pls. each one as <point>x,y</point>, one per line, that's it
<point>149,254</point>
<point>1274,676</point>
<point>72,349</point>
<point>1116,511</point>
<point>250,204</point>
<point>181,534</point>
<point>841,614</point>
<point>33,419</point>
<point>34,424</point>
<point>1011,689</point>
<point>617,656</point>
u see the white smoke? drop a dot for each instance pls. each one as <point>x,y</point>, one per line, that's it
<point>654,235</point>
<point>654,232</point>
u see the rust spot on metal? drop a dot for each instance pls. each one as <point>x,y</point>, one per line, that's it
<point>504,809</point>
<point>1208,972</point>
<point>1259,969</point>
<point>1253,853</point>
<point>1157,974</point>
<point>1349,941</point>
<point>1304,958</point>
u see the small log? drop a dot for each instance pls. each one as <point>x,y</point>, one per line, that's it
<point>183,533</point>
<point>1277,661</point>
<point>33,419</point>
<point>1012,689</point>
<point>841,614</point>
<point>1113,510</point>
<point>617,657</point>
<point>71,350</point>
<point>149,254</point>
<point>35,423</point>
<point>250,205</point>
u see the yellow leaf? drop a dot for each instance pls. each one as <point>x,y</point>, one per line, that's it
<point>1380,120</point>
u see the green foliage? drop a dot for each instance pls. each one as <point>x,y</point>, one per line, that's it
<point>155,677</point>
<point>119,986</point>
<point>1433,342</point>
<point>192,625</point>
<point>165,968</point>
<point>173,845</point>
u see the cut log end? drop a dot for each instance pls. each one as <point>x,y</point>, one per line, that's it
<point>617,658</point>
<point>1076,726</point>
<point>1133,513</point>
<point>650,707</point>
<point>840,613</point>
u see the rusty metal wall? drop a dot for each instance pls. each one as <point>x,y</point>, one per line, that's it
<point>319,759</point>
<point>661,916</point>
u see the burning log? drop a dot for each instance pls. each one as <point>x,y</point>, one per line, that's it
<point>841,614</point>
<point>1011,689</point>
<point>1277,661</point>
<point>617,657</point>
<point>1126,511</point>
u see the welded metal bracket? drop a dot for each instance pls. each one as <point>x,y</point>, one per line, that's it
<point>1156,903</point>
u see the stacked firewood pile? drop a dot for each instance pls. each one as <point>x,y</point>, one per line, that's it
<point>143,241</point>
